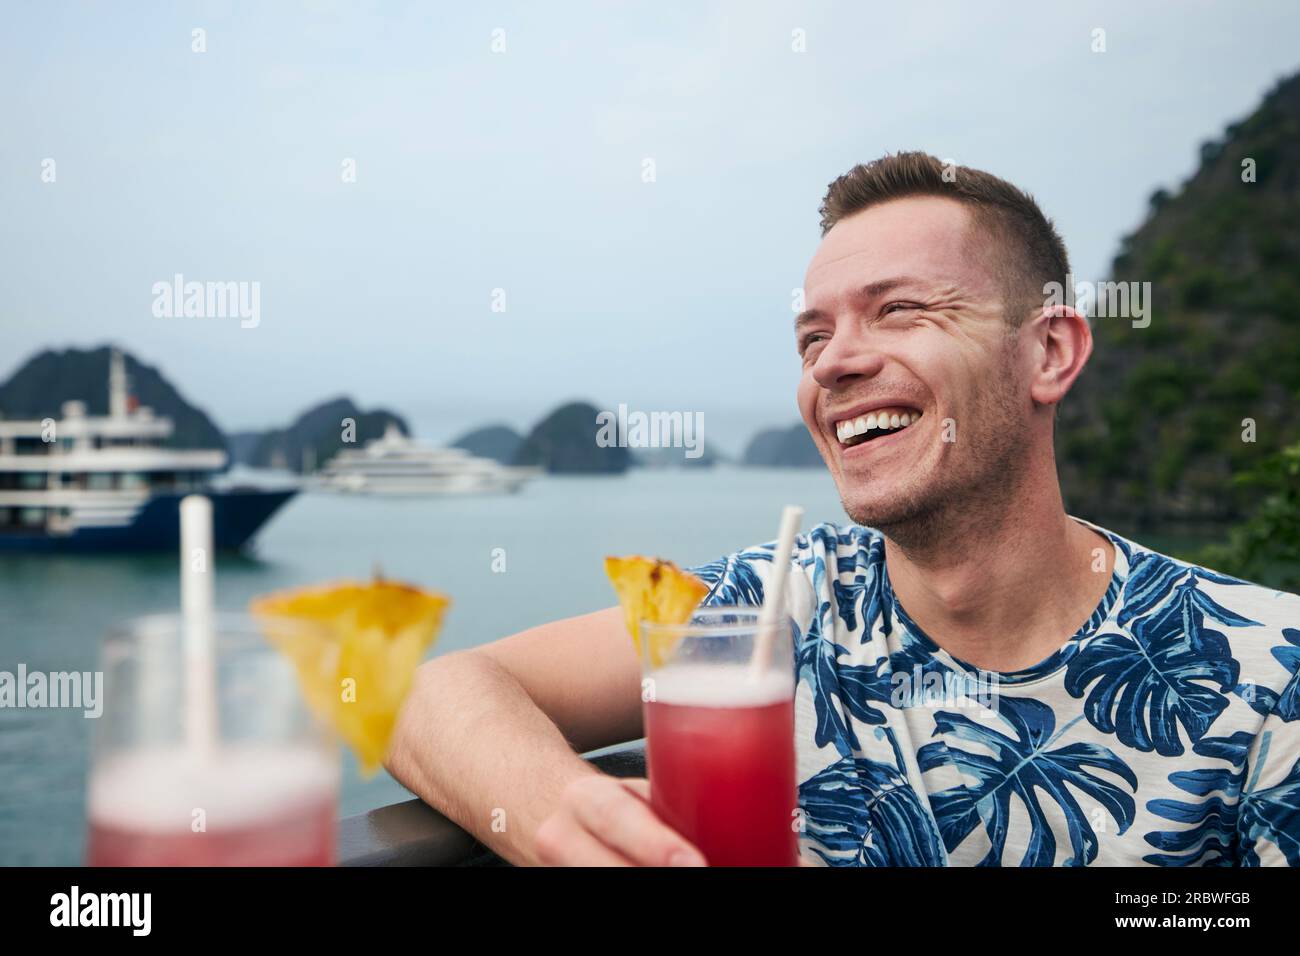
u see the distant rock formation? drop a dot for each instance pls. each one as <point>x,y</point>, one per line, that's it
<point>783,448</point>
<point>48,379</point>
<point>498,442</point>
<point>564,442</point>
<point>317,435</point>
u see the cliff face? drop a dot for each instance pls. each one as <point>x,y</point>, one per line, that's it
<point>783,448</point>
<point>317,435</point>
<point>1152,433</point>
<point>498,442</point>
<point>564,442</point>
<point>48,379</point>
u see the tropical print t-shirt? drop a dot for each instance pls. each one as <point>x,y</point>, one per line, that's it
<point>1166,731</point>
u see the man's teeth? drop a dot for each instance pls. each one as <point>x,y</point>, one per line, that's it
<point>878,422</point>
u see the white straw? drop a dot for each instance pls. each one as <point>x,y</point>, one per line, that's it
<point>774,603</point>
<point>200,712</point>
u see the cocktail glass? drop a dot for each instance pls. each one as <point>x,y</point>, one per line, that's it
<point>720,736</point>
<point>263,791</point>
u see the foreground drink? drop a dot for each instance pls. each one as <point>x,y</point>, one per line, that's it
<point>262,792</point>
<point>720,738</point>
<point>256,807</point>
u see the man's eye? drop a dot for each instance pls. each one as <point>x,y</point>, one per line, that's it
<point>899,306</point>
<point>810,340</point>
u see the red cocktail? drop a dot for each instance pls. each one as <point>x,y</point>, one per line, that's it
<point>720,739</point>
<point>247,806</point>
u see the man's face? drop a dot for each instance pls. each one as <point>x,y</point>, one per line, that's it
<point>905,322</point>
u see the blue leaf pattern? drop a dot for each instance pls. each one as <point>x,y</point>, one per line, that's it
<point>1288,702</point>
<point>840,690</point>
<point>1146,684</point>
<point>862,598</point>
<point>864,813</point>
<point>1020,765</point>
<point>1271,814</point>
<point>1209,827</point>
<point>733,580</point>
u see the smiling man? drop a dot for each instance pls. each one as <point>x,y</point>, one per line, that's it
<point>982,678</point>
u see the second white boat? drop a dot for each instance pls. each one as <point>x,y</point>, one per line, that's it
<point>397,465</point>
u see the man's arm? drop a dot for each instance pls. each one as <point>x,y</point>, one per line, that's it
<point>492,735</point>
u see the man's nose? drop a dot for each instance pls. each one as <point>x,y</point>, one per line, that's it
<point>845,359</point>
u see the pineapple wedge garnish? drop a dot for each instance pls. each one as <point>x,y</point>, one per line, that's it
<point>655,591</point>
<point>356,661</point>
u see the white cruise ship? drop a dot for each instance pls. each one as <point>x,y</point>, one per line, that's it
<point>397,465</point>
<point>106,483</point>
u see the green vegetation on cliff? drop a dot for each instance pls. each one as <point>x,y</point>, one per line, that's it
<point>1155,431</point>
<point>1265,548</point>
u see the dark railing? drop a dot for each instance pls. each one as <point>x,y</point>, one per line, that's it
<point>412,833</point>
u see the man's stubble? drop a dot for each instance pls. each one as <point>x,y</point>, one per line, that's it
<point>973,486</point>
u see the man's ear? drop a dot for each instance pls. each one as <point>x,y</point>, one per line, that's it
<point>1062,342</point>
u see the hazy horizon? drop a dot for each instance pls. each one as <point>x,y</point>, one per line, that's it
<point>522,170</point>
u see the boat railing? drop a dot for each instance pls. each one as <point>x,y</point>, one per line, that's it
<point>412,833</point>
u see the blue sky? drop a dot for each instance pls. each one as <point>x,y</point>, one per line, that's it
<point>522,170</point>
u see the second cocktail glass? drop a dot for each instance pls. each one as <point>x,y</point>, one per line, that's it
<point>263,791</point>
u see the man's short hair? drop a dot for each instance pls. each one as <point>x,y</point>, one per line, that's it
<point>1028,251</point>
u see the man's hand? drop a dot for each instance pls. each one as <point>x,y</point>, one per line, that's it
<point>607,821</point>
